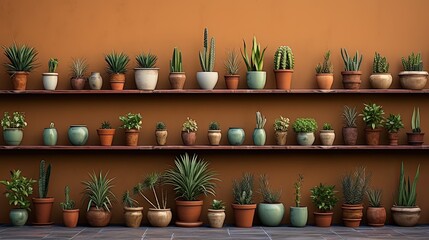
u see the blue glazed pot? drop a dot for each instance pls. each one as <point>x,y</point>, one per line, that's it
<point>256,79</point>
<point>18,216</point>
<point>271,214</point>
<point>13,136</point>
<point>259,136</point>
<point>50,136</point>
<point>78,135</point>
<point>236,136</point>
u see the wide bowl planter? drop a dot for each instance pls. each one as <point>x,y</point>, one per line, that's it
<point>188,213</point>
<point>323,219</point>
<point>256,79</point>
<point>161,137</point>
<point>243,215</point>
<point>50,136</point>
<point>18,216</point>
<point>207,80</point>
<point>131,137</point>
<point>327,137</point>
<point>214,137</point>
<point>177,80</point>
<point>415,139</point>
<point>106,136</point>
<point>133,216</point>
<point>283,78</point>
<point>19,80</point>
<point>236,136</point>
<point>146,78</point>
<point>78,135</point>
<point>231,81</point>
<point>351,79</point>
<point>405,216</point>
<point>13,136</point>
<point>325,80</point>
<point>415,80</point>
<point>259,137</point>
<point>98,217</point>
<point>350,135</point>
<point>189,138</point>
<point>352,215</point>
<point>305,139</point>
<point>50,81</point>
<point>280,137</point>
<point>77,83</point>
<point>271,214</point>
<point>70,217</point>
<point>298,216</point>
<point>376,216</point>
<point>95,81</point>
<point>43,211</point>
<point>393,138</point>
<point>216,217</point>
<point>380,80</point>
<point>159,217</point>
<point>372,136</point>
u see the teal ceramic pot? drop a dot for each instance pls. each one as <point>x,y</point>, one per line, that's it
<point>298,216</point>
<point>236,136</point>
<point>18,216</point>
<point>78,135</point>
<point>305,139</point>
<point>271,214</point>
<point>50,136</point>
<point>256,79</point>
<point>13,136</point>
<point>259,136</point>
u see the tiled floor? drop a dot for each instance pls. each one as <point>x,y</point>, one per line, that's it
<point>119,232</point>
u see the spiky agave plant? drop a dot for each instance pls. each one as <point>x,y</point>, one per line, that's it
<point>21,58</point>
<point>207,56</point>
<point>349,116</point>
<point>117,62</point>
<point>232,63</point>
<point>98,191</point>
<point>78,68</point>
<point>146,60</point>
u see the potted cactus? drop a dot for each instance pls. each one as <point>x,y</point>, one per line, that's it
<point>207,78</point>
<point>281,126</point>
<point>214,134</point>
<point>393,124</point>
<point>380,77</point>
<point>132,212</point>
<point>351,73</point>
<point>327,135</point>
<point>13,128</point>
<point>416,136</point>
<point>283,67</point>
<point>189,132</point>
<point>161,133</point>
<point>117,67</point>
<point>21,63</point>
<point>50,135</point>
<point>131,122</point>
<point>259,135</point>
<point>177,76</point>
<point>298,214</point>
<point>78,70</point>
<point>50,79</point>
<point>243,206</point>
<point>270,210</point>
<point>232,65</point>
<point>304,129</point>
<point>70,213</point>
<point>146,74</point>
<point>325,72</point>
<point>413,76</point>
<point>106,133</point>
<point>256,77</point>
<point>43,204</point>
<point>349,131</point>
<point>372,115</point>
<point>216,214</point>
<point>375,213</point>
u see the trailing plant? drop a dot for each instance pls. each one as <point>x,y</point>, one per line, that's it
<point>393,123</point>
<point>380,64</point>
<point>78,68</point>
<point>327,126</point>
<point>52,65</point>
<point>355,185</point>
<point>68,203</point>
<point>407,191</point>
<point>189,125</point>
<point>146,60</point>
<point>268,195</point>
<point>106,125</point>
<point>98,191</point>
<point>131,121</point>
<point>283,58</point>
<point>176,61</point>
<point>21,58</point>
<point>374,197</point>
<point>116,62</point>
<point>304,125</point>
<point>44,176</point>
<point>260,120</point>
<point>298,185</point>
<point>256,60</point>
<point>415,121</point>
<point>129,201</point>
<point>160,126</point>
<point>17,120</point>
<point>281,124</point>
<point>207,56</point>
<point>414,62</point>
<point>18,188</point>
<point>326,66</point>
<point>323,197</point>
<point>372,115</point>
<point>351,64</point>
<point>242,190</point>
<point>349,116</point>
<point>217,205</point>
<point>214,126</point>
<point>152,182</point>
<point>232,63</point>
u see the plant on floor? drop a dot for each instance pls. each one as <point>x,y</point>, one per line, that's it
<point>372,115</point>
<point>131,121</point>
<point>44,175</point>
<point>207,56</point>
<point>17,120</point>
<point>68,203</point>
<point>232,63</point>
<point>98,191</point>
<point>21,58</point>
<point>129,201</point>
<point>407,194</point>
<point>413,62</point>
<point>283,58</point>
<point>256,60</point>
<point>214,126</point>
<point>349,116</point>
<point>189,125</point>
<point>176,61</point>
<point>281,124</point>
<point>298,185</point>
<point>351,64</point>
<point>152,182</point>
<point>355,185</point>
<point>393,123</point>
<point>327,126</point>
<point>217,205</point>
<point>78,68</point>
<point>146,60</point>
<point>52,65</point>
<point>268,195</point>
<point>160,126</point>
<point>323,197</point>
<point>380,64</point>
<point>18,188</point>
<point>374,197</point>
<point>116,62</point>
<point>415,121</point>
<point>242,190</point>
<point>304,125</point>
<point>326,66</point>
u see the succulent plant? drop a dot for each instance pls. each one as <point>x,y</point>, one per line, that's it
<point>326,66</point>
<point>190,125</point>
<point>327,126</point>
<point>78,68</point>
<point>217,205</point>
<point>407,194</point>
<point>268,195</point>
<point>117,62</point>
<point>106,125</point>
<point>176,61</point>
<point>351,64</point>
<point>21,58</point>
<point>256,60</point>
<point>349,116</point>
<point>298,185</point>
<point>232,63</point>
<point>260,120</point>
<point>207,56</point>
<point>374,197</point>
<point>413,63</point>
<point>68,203</point>
<point>214,126</point>
<point>283,58</point>
<point>160,126</point>
<point>380,64</point>
<point>415,121</point>
<point>146,60</point>
<point>52,65</point>
<point>242,190</point>
<point>281,124</point>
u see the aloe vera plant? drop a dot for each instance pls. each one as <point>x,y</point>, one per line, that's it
<point>256,60</point>
<point>207,56</point>
<point>351,64</point>
<point>407,190</point>
<point>176,61</point>
<point>415,121</point>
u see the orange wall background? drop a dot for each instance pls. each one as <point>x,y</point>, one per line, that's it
<point>77,28</point>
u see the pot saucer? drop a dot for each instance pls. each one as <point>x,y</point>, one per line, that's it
<point>188,224</point>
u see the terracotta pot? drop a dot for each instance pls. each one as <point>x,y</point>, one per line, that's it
<point>19,80</point>
<point>243,214</point>
<point>189,138</point>
<point>376,216</point>
<point>214,137</point>
<point>372,136</point>
<point>350,135</point>
<point>415,80</point>
<point>415,138</point>
<point>323,219</point>
<point>393,138</point>
<point>325,80</point>
<point>405,216</point>
<point>77,83</point>
<point>117,81</point>
<point>189,212</point>
<point>352,214</point>
<point>161,137</point>
<point>177,80</point>
<point>281,137</point>
<point>43,211</point>
<point>327,137</point>
<point>133,216</point>
<point>106,136</point>
<point>159,217</point>
<point>380,80</point>
<point>351,79</point>
<point>70,217</point>
<point>98,217</point>
<point>131,137</point>
<point>216,217</point>
<point>231,81</point>
<point>283,78</point>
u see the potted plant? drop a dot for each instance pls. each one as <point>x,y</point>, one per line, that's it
<point>50,79</point>
<point>270,210</point>
<point>106,133</point>
<point>259,135</point>
<point>43,204</point>
<point>21,63</point>
<point>255,76</point>
<point>98,192</point>
<point>327,135</point>
<point>189,132</point>
<point>415,137</point>
<point>298,214</point>
<point>323,197</point>
<point>146,73</point>
<point>413,76</point>
<point>351,73</point>
<point>161,133</point>
<point>380,77</point>
<point>207,78</point>
<point>283,67</point>
<point>132,213</point>
<point>216,214</point>
<point>350,131</point>
<point>13,128</point>
<point>70,213</point>
<point>214,134</point>
<point>78,70</point>
<point>375,213</point>
<point>232,65</point>
<point>372,115</point>
<point>393,124</point>
<point>405,212</point>
<point>131,122</point>
<point>304,129</point>
<point>325,72</point>
<point>117,67</point>
<point>18,188</point>
<point>281,126</point>
<point>50,135</point>
<point>355,185</point>
<point>243,206</point>
<point>190,179</point>
<point>158,214</point>
<point>177,76</point>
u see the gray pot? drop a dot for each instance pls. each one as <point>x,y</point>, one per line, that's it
<point>305,139</point>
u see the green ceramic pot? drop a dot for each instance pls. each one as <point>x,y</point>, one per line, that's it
<point>259,136</point>
<point>18,216</point>
<point>256,79</point>
<point>78,135</point>
<point>305,139</point>
<point>298,216</point>
<point>50,136</point>
<point>13,136</point>
<point>236,136</point>
<point>271,214</point>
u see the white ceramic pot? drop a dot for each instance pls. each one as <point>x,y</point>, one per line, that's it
<point>146,78</point>
<point>95,81</point>
<point>380,80</point>
<point>207,80</point>
<point>50,81</point>
<point>415,80</point>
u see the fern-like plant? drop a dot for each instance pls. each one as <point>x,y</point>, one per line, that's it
<point>242,190</point>
<point>207,56</point>
<point>355,185</point>
<point>116,62</point>
<point>152,182</point>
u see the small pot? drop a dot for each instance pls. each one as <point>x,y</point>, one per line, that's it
<point>117,81</point>
<point>405,216</point>
<point>271,214</point>
<point>283,78</point>
<point>327,137</point>
<point>50,136</point>
<point>372,136</point>
<point>19,80</point>
<point>159,217</point>
<point>351,79</point>
<point>231,81</point>
<point>352,214</point>
<point>350,135</point>
<point>393,138</point>
<point>243,215</point>
<point>207,80</point>
<point>161,137</point>
<point>380,80</point>
<point>13,136</point>
<point>131,137</point>
<point>415,139</point>
<point>189,138</point>
<point>259,137</point>
<point>415,80</point>
<point>214,137</point>
<point>77,83</point>
<point>106,136</point>
<point>280,137</point>
<point>98,217</point>
<point>177,80</point>
<point>298,216</point>
<point>216,217</point>
<point>305,139</point>
<point>146,78</point>
<point>18,216</point>
<point>95,81</point>
<point>50,81</point>
<point>133,216</point>
<point>323,219</point>
<point>256,79</point>
<point>376,216</point>
<point>325,80</point>
<point>43,210</point>
<point>78,135</point>
<point>236,136</point>
<point>70,217</point>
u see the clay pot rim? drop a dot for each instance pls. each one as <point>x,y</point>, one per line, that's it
<point>402,73</point>
<point>133,209</point>
<point>381,207</point>
<point>189,202</point>
<point>137,68</point>
<point>283,70</point>
<point>43,200</point>
<point>405,209</point>
<point>244,206</point>
<point>215,210</point>
<point>106,130</point>
<point>71,210</point>
<point>276,203</point>
<point>160,209</point>
<point>256,71</point>
<point>49,74</point>
<point>351,72</point>
<point>299,207</point>
<point>377,129</point>
<point>189,132</point>
<point>164,130</point>
<point>214,131</point>
<point>177,73</point>
<point>413,133</point>
<point>381,74</point>
<point>18,72</point>
<point>77,78</point>
<point>324,213</point>
<point>231,75</point>
<point>324,74</point>
<point>327,131</point>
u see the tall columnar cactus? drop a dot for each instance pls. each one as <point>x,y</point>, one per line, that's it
<point>349,63</point>
<point>207,56</point>
<point>44,175</point>
<point>176,61</point>
<point>380,64</point>
<point>283,58</point>
<point>413,63</point>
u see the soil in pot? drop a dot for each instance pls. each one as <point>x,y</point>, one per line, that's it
<point>231,81</point>
<point>243,215</point>
<point>350,136</point>
<point>159,217</point>
<point>376,216</point>
<point>177,80</point>
<point>283,78</point>
<point>216,217</point>
<point>325,80</point>
<point>351,79</point>
<point>133,216</point>
<point>372,136</point>
<point>43,211</point>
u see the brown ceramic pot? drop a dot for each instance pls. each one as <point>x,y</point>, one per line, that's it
<point>376,216</point>
<point>405,216</point>
<point>372,136</point>
<point>70,217</point>
<point>351,79</point>
<point>177,80</point>
<point>231,81</point>
<point>352,214</point>
<point>189,138</point>
<point>280,137</point>
<point>323,219</point>
<point>106,136</point>
<point>415,80</point>
<point>98,217</point>
<point>380,80</point>
<point>117,81</point>
<point>189,211</point>
<point>393,138</point>
<point>350,135</point>
<point>214,137</point>
<point>131,137</point>
<point>415,138</point>
<point>283,78</point>
<point>216,217</point>
<point>77,83</point>
<point>243,214</point>
<point>327,137</point>
<point>159,217</point>
<point>19,80</point>
<point>325,80</point>
<point>161,137</point>
<point>43,211</point>
<point>133,216</point>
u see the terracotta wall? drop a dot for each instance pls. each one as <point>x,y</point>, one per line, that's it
<point>78,28</point>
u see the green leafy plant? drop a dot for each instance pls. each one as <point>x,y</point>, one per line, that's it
<point>52,65</point>
<point>21,58</point>
<point>232,63</point>
<point>68,203</point>
<point>106,125</point>
<point>349,116</point>
<point>355,185</point>
<point>414,62</point>
<point>304,125</point>
<point>415,121</point>
<point>393,123</point>
<point>242,190</point>
<point>268,195</point>
<point>298,185</point>
<point>217,205</point>
<point>98,191</point>
<point>116,62</point>
<point>281,124</point>
<point>189,125</point>
<point>372,115</point>
<point>326,66</point>
<point>146,60</point>
<point>214,126</point>
<point>176,61</point>
<point>160,126</point>
<point>374,197</point>
<point>351,64</point>
<point>17,120</point>
<point>407,191</point>
<point>323,197</point>
<point>18,188</point>
<point>256,60</point>
<point>78,68</point>
<point>283,58</point>
<point>131,121</point>
<point>380,64</point>
<point>207,56</point>
<point>191,177</point>
<point>44,176</point>
<point>128,200</point>
<point>153,181</point>
<point>260,120</point>
<point>327,126</point>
